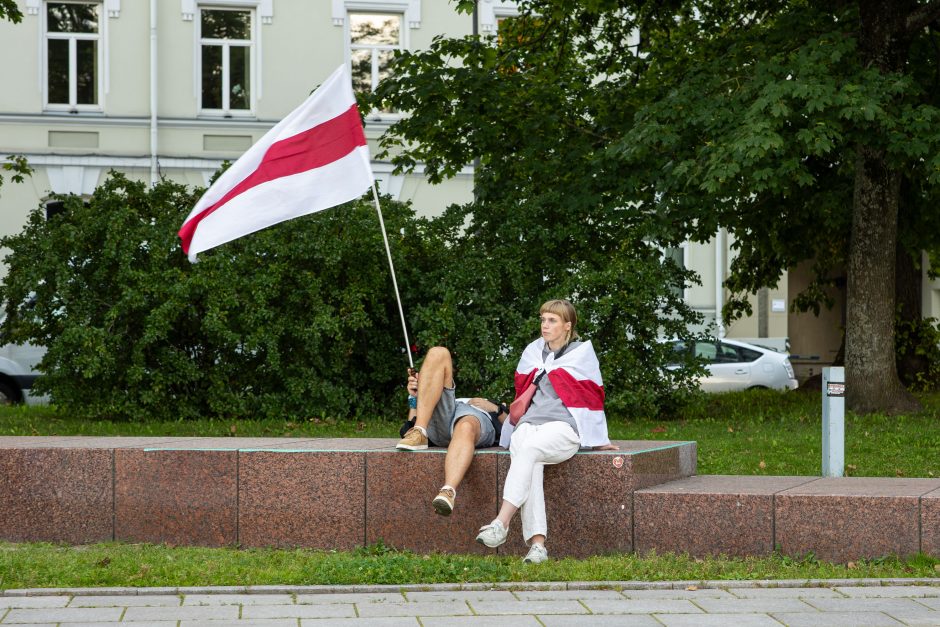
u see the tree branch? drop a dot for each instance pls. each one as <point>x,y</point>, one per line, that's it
<point>922,16</point>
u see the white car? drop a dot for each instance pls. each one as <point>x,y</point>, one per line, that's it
<point>18,372</point>
<point>734,365</point>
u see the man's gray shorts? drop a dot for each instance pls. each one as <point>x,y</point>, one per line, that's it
<point>446,414</point>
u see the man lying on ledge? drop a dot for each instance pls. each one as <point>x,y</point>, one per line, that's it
<point>441,419</point>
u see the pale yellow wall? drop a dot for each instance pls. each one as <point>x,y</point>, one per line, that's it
<point>20,91</point>
<point>430,200</point>
<point>176,49</point>
<point>129,61</point>
<point>701,258</point>
<point>17,201</point>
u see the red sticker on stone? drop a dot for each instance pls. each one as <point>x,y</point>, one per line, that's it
<point>618,462</point>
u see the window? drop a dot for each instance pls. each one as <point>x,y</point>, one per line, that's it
<point>226,50</point>
<point>676,254</point>
<point>73,55</point>
<point>707,351</point>
<point>373,40</point>
<point>747,354</point>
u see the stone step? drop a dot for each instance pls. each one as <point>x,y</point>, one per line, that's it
<point>318,493</point>
<point>835,519</point>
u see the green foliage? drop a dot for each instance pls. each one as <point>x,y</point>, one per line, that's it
<point>753,126</point>
<point>552,217</point>
<point>666,122</point>
<point>18,166</point>
<point>920,340</point>
<point>9,11</point>
<point>296,321</point>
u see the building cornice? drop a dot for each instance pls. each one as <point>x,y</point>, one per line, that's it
<point>207,124</point>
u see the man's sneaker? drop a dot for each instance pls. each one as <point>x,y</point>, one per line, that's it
<point>444,501</point>
<point>414,440</point>
<point>493,534</point>
<point>536,555</point>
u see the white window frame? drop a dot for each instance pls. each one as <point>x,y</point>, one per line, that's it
<point>411,9</point>
<point>226,44</point>
<point>101,37</point>
<point>402,43</point>
<point>490,12</point>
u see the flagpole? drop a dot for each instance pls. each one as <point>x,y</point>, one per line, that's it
<point>401,312</point>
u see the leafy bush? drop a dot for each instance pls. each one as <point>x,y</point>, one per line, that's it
<point>296,320</point>
<point>300,321</point>
<point>918,341</point>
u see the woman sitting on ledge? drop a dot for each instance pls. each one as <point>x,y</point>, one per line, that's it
<point>566,412</point>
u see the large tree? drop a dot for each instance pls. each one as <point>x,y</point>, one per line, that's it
<point>791,124</point>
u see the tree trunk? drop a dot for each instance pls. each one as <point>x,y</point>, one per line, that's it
<point>871,376</point>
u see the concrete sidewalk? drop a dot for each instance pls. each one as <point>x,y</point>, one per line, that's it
<point>739,603</point>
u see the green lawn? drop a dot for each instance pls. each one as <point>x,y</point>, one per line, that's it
<point>751,433</point>
<point>44,565</point>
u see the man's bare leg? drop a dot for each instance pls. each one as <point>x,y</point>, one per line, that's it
<point>456,462</point>
<point>437,372</point>
<point>460,452</point>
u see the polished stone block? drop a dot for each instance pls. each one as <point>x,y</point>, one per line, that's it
<point>709,515</point>
<point>310,499</point>
<point>930,523</point>
<point>653,463</point>
<point>588,499</point>
<point>56,495</point>
<point>847,518</point>
<point>186,497</point>
<point>399,488</point>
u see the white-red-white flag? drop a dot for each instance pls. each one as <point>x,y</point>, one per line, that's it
<point>576,378</point>
<point>314,159</point>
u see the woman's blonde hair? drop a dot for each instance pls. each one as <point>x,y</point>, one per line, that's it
<point>564,310</point>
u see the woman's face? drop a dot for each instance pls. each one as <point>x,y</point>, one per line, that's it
<point>554,330</point>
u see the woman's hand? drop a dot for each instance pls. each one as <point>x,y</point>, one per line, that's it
<point>413,384</point>
<point>610,446</point>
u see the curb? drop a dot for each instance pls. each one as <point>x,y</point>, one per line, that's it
<point>453,587</point>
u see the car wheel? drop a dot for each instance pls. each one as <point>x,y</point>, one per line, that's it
<point>9,395</point>
<point>758,387</point>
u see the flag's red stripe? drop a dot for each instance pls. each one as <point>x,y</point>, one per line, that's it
<point>522,381</point>
<point>316,147</point>
<point>577,392</point>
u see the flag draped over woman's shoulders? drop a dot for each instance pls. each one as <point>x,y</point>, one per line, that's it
<point>576,377</point>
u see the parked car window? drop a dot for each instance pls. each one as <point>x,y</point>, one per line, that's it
<point>749,355</point>
<point>707,351</point>
<point>727,354</point>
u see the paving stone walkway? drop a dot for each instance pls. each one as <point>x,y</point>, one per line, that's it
<point>832,603</point>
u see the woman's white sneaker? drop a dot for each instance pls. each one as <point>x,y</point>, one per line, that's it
<point>493,534</point>
<point>536,555</point>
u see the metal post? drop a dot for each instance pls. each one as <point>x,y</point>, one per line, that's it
<point>833,422</point>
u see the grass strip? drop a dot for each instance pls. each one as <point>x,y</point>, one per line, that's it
<point>747,433</point>
<point>145,565</point>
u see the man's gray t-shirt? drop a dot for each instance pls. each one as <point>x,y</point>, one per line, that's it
<point>546,406</point>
